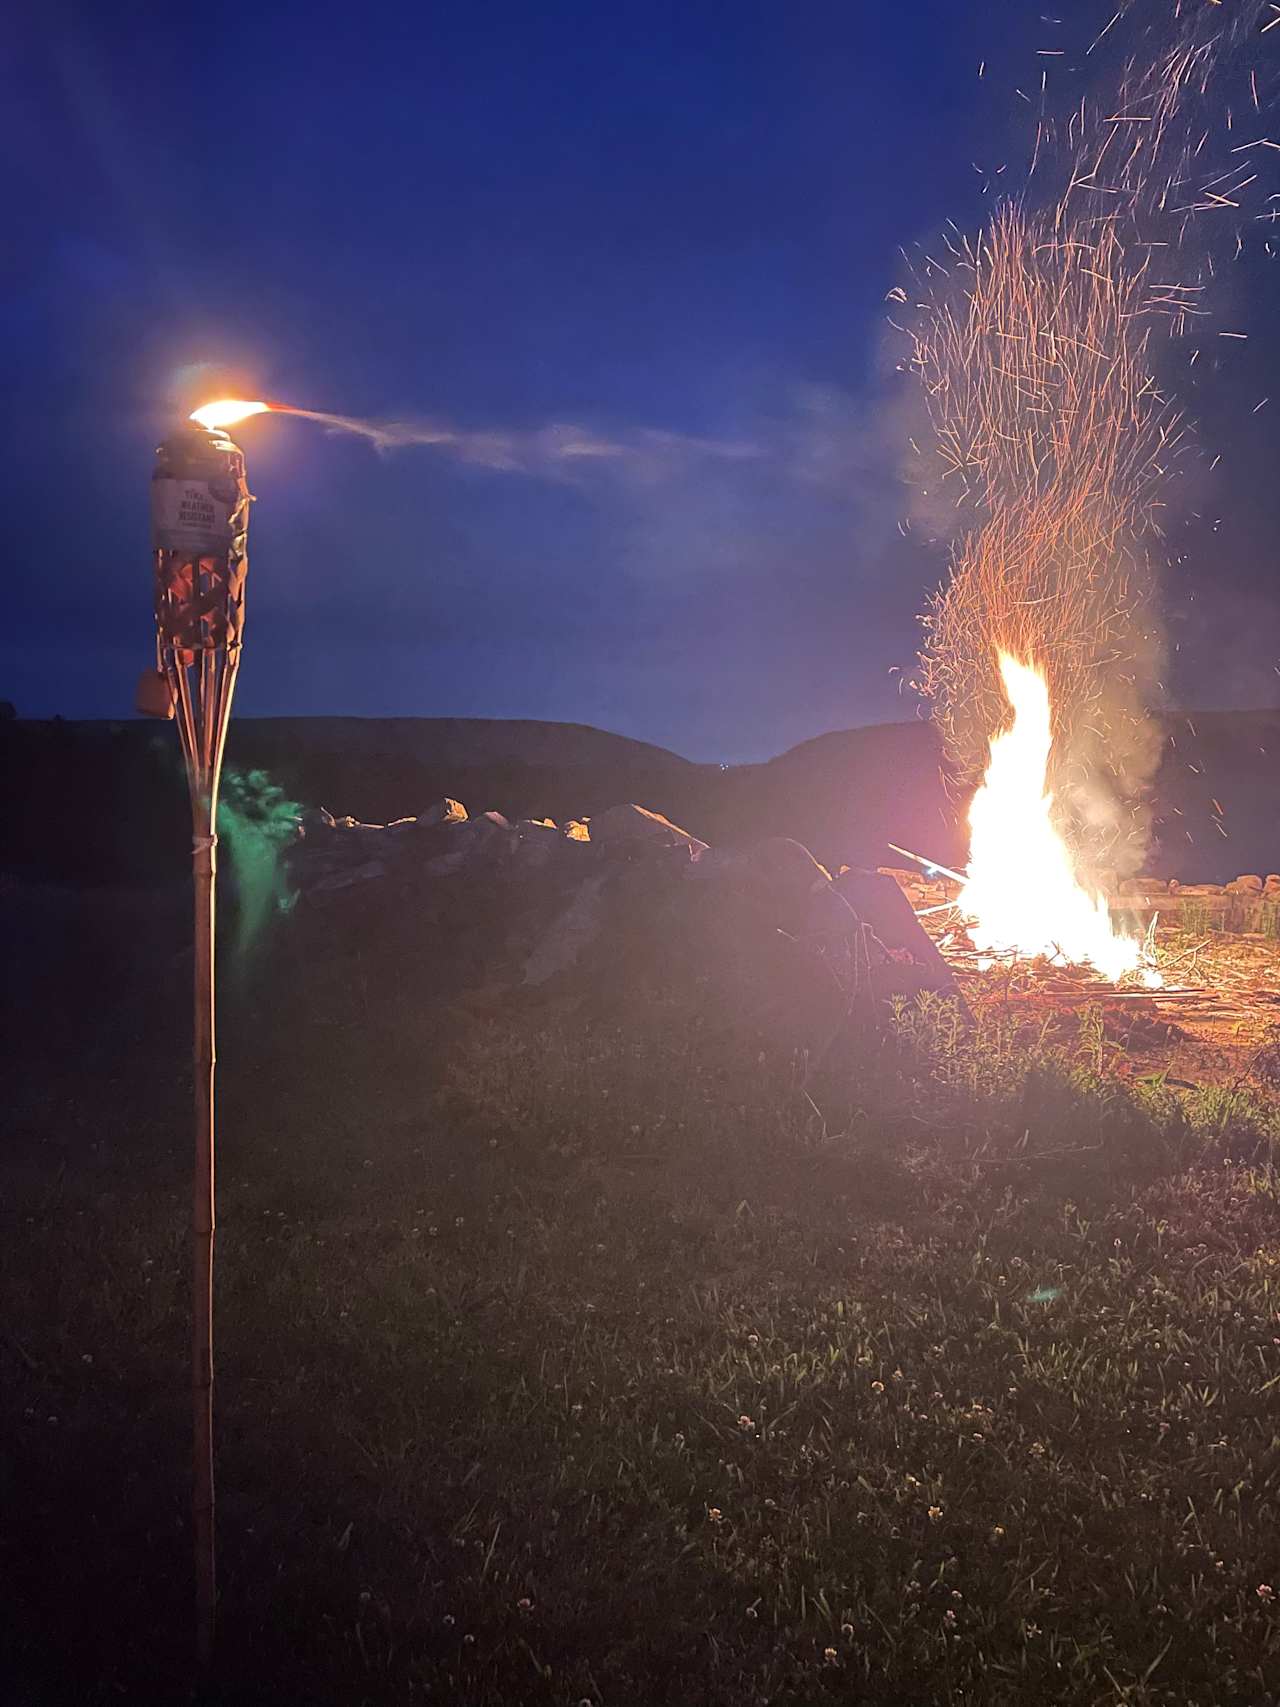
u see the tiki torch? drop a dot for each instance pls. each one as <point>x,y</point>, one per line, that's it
<point>199,519</point>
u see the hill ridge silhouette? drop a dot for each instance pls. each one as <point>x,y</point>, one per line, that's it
<point>105,801</point>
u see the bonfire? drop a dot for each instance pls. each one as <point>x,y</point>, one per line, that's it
<point>1040,344</point>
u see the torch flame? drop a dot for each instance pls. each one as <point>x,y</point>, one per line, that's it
<point>1022,892</point>
<point>227,412</point>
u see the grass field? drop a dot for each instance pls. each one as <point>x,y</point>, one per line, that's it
<point>571,1362</point>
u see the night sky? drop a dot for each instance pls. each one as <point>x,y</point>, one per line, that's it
<point>665,230</point>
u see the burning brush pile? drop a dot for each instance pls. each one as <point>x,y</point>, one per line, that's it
<point>1203,1003</point>
<point>1051,452</point>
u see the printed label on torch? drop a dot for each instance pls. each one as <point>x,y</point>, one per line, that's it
<point>188,515</point>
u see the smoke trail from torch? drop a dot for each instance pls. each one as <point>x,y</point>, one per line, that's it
<point>560,447</point>
<point>384,435</point>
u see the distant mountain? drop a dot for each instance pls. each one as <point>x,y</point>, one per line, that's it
<point>1215,800</point>
<point>106,802</point>
<point>462,742</point>
<point>848,794</point>
<point>1217,796</point>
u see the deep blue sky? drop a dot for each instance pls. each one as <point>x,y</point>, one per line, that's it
<point>677,219</point>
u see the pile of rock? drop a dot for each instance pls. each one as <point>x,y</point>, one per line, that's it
<point>334,853</point>
<point>1257,888</point>
<point>1249,886</point>
<point>1241,905</point>
<point>598,903</point>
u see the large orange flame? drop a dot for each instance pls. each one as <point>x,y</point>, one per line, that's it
<point>1022,891</point>
<point>226,412</point>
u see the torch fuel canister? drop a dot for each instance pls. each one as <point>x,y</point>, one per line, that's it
<point>197,493</point>
<point>199,518</point>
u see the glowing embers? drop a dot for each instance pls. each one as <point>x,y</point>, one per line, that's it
<point>1021,892</point>
<point>227,412</point>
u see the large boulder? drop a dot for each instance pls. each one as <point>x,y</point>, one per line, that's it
<point>571,933</point>
<point>1249,885</point>
<point>881,905</point>
<point>634,831</point>
<point>472,844</point>
<point>539,846</point>
<point>780,873</point>
<point>857,934</point>
<point>344,879</point>
<point>444,811</point>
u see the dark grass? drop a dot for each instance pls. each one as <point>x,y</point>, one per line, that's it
<point>573,1360</point>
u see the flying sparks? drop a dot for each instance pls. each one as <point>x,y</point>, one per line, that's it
<point>1053,447</point>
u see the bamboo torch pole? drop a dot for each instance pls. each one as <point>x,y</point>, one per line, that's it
<point>200,513</point>
<point>202,1230</point>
